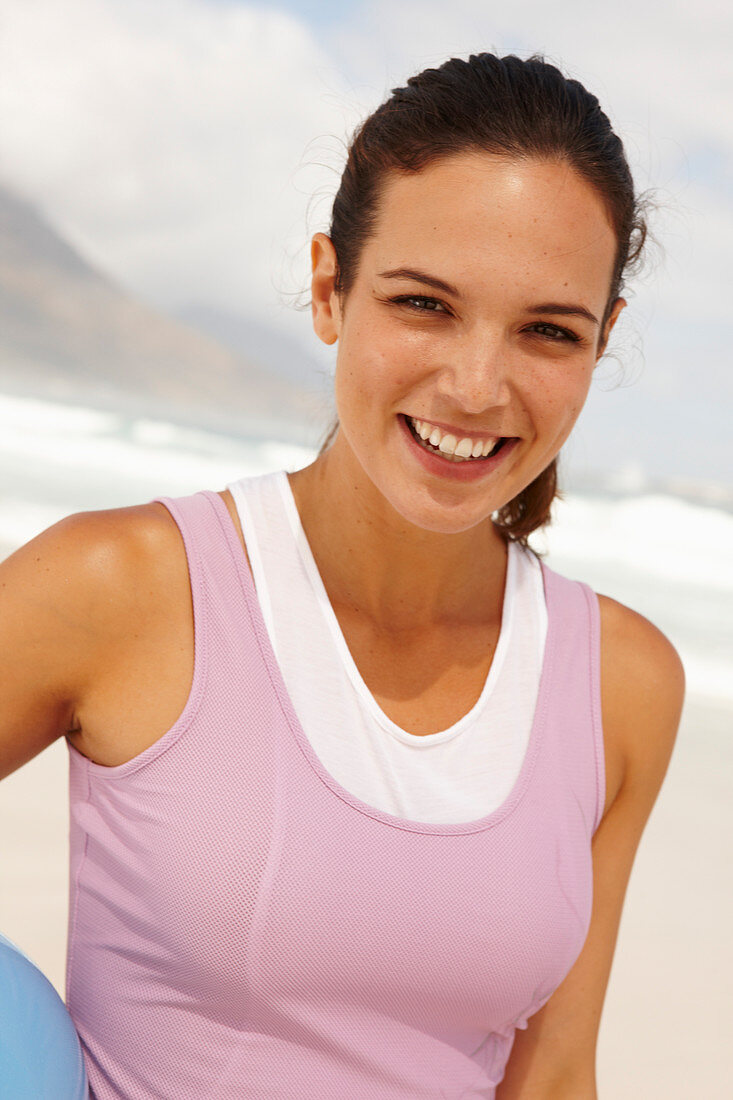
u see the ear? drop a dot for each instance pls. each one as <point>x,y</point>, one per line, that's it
<point>325,304</point>
<point>618,305</point>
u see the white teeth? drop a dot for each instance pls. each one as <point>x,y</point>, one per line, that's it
<point>449,445</point>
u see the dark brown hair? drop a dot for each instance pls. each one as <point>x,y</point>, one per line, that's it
<point>500,105</point>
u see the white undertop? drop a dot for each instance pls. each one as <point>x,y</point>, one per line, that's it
<point>459,774</point>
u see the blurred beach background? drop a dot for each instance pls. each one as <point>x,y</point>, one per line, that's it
<point>161,169</point>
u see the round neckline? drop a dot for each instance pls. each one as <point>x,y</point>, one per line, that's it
<point>445,828</point>
<point>375,711</point>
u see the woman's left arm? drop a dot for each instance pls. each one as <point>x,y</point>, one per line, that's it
<point>642,689</point>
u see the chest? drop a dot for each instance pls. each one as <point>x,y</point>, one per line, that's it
<point>424,681</point>
<point>291,893</point>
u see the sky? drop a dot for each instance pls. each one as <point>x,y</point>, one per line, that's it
<point>191,147</point>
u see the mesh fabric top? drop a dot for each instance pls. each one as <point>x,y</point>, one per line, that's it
<point>244,928</point>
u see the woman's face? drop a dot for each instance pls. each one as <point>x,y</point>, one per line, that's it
<point>468,339</point>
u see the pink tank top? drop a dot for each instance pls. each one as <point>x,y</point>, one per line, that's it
<point>243,928</point>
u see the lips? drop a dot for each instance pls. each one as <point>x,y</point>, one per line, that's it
<point>454,447</point>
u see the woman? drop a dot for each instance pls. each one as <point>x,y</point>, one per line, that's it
<point>347,764</point>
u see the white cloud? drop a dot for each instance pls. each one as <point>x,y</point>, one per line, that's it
<point>667,67</point>
<point>167,137</point>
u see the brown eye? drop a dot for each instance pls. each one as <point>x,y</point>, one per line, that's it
<point>553,332</point>
<point>420,304</point>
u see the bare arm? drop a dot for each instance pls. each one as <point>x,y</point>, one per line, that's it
<point>42,640</point>
<point>642,693</point>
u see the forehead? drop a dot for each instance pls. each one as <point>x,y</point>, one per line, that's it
<point>527,222</point>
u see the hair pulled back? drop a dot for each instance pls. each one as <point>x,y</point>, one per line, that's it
<point>501,105</point>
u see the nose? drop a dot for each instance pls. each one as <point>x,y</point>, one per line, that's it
<point>476,377</point>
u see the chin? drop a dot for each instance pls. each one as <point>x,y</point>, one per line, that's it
<point>439,516</point>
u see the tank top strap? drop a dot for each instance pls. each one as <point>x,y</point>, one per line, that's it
<point>574,654</point>
<point>215,555</point>
<point>222,589</point>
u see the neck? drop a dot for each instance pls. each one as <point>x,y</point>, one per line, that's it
<point>374,561</point>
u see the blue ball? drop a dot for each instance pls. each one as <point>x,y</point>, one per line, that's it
<point>40,1055</point>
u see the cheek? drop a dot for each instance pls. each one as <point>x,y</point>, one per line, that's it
<point>375,376</point>
<point>558,400</point>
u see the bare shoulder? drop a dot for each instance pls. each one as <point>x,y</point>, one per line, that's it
<point>642,689</point>
<point>90,551</point>
<point>70,600</point>
<point>636,653</point>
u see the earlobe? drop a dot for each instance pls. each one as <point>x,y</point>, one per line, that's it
<point>324,297</point>
<point>618,306</point>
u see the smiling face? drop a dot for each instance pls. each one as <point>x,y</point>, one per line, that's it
<point>468,338</point>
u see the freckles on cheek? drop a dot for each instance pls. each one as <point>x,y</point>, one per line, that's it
<point>390,375</point>
<point>560,409</point>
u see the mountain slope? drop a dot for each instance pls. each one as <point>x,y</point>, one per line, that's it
<point>67,332</point>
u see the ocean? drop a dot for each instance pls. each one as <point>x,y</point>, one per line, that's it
<point>667,558</point>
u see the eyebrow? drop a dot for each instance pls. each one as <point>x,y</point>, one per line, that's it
<point>564,311</point>
<point>558,308</point>
<point>420,277</point>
